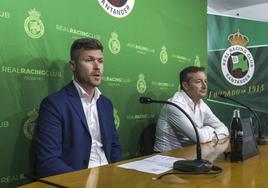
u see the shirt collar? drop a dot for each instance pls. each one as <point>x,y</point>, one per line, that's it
<point>83,93</point>
<point>187,99</point>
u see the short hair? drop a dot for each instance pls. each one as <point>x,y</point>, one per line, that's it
<point>184,74</point>
<point>84,44</point>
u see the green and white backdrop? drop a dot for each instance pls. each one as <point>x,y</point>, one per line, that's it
<point>237,67</point>
<point>146,44</point>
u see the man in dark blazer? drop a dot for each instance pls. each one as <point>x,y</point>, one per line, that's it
<point>76,125</point>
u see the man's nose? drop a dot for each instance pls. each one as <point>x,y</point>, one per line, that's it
<point>96,64</point>
<point>204,84</point>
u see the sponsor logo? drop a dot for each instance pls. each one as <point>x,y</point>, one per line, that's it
<point>163,85</point>
<point>114,43</point>
<point>117,8</point>
<point>181,59</point>
<point>116,118</point>
<point>4,124</point>
<point>33,26</point>
<point>141,84</point>
<point>140,116</point>
<point>30,71</point>
<point>237,63</point>
<point>29,125</point>
<point>141,49</point>
<point>4,14</point>
<point>163,55</point>
<point>115,81</point>
<point>197,61</point>
<point>12,178</point>
<point>78,32</point>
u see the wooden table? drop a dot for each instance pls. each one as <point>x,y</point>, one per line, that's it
<point>252,172</point>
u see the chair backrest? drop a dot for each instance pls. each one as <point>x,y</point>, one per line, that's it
<point>147,139</point>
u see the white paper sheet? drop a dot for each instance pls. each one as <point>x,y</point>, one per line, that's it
<point>156,164</point>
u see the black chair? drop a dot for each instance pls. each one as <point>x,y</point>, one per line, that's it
<point>147,139</point>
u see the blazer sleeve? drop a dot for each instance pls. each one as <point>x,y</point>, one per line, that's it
<point>48,141</point>
<point>110,136</point>
<point>116,148</point>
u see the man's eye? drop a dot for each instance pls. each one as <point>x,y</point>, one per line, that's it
<point>100,60</point>
<point>88,59</point>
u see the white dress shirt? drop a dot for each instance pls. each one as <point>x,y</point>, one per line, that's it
<point>174,129</point>
<point>97,155</point>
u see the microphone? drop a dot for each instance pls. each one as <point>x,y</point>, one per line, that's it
<point>197,166</point>
<point>260,139</point>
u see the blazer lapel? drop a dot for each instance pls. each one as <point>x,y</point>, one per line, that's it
<point>74,99</point>
<point>102,119</point>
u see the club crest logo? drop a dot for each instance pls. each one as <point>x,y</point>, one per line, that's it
<point>116,118</point>
<point>114,43</point>
<point>237,63</point>
<point>29,125</point>
<point>141,84</point>
<point>164,55</point>
<point>33,26</point>
<point>197,61</point>
<point>117,8</point>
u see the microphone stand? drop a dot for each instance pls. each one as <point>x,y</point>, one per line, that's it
<point>196,166</point>
<point>260,139</point>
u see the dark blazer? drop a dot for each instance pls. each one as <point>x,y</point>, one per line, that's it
<point>63,141</point>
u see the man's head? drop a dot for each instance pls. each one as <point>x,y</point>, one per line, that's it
<point>84,44</point>
<point>87,61</point>
<point>193,81</point>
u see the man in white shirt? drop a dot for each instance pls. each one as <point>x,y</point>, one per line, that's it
<point>174,130</point>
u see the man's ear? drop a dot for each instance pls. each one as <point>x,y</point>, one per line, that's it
<point>185,86</point>
<point>72,65</point>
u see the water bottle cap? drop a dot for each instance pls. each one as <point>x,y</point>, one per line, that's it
<point>236,113</point>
